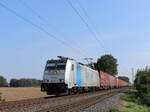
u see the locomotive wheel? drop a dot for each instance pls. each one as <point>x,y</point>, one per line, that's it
<point>57,94</point>
<point>70,92</point>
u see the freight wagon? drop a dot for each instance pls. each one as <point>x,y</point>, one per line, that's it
<point>107,81</point>
<point>122,83</point>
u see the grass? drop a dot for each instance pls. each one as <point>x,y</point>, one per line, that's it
<point>131,97</point>
<point>114,110</point>
<point>131,103</point>
<point>133,107</point>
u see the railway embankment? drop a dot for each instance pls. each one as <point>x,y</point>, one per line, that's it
<point>130,102</point>
<point>73,103</point>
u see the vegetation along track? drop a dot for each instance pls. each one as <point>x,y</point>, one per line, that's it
<point>72,103</point>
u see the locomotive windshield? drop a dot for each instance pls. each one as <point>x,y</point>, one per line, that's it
<point>51,66</point>
<point>55,65</point>
<point>60,66</point>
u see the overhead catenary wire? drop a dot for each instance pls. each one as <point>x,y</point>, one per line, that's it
<point>37,26</point>
<point>86,24</point>
<point>33,11</point>
<point>43,20</point>
<point>91,22</point>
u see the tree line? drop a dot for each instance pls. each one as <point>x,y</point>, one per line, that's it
<point>3,82</point>
<point>19,82</point>
<point>24,82</point>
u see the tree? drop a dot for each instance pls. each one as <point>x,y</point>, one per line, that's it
<point>142,84</point>
<point>3,81</point>
<point>107,63</point>
<point>124,78</point>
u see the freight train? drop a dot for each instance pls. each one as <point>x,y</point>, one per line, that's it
<point>65,75</point>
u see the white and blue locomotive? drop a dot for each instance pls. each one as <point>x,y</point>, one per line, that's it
<point>65,75</point>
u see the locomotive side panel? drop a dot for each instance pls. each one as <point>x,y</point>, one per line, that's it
<point>70,77</point>
<point>87,77</point>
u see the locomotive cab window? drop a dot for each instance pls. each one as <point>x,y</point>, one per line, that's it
<point>72,67</point>
<point>61,66</point>
<point>51,66</point>
<point>56,66</point>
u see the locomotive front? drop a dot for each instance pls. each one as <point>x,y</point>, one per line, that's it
<point>54,77</point>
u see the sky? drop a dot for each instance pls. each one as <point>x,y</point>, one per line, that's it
<point>123,28</point>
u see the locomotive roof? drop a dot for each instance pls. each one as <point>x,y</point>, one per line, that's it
<point>57,61</point>
<point>64,60</point>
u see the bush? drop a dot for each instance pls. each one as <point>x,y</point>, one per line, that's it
<point>114,110</point>
<point>131,103</point>
<point>130,97</point>
<point>142,84</point>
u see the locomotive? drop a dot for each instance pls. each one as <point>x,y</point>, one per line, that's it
<point>65,75</point>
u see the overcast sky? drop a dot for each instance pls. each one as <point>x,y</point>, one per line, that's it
<point>123,26</point>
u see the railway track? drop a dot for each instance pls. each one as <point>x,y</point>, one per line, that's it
<point>73,103</point>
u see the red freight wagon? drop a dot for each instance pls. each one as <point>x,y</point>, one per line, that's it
<point>104,80</point>
<point>121,83</point>
<point>124,83</point>
<point>116,83</point>
<point>112,81</point>
<point>107,81</point>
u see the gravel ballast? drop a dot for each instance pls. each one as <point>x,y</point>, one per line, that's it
<point>105,105</point>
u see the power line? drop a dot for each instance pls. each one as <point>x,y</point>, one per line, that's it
<point>91,22</point>
<point>37,26</point>
<point>41,18</point>
<point>86,24</point>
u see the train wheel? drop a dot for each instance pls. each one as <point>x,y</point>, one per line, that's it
<point>70,92</point>
<point>57,94</point>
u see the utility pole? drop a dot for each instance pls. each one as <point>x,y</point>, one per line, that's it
<point>133,75</point>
